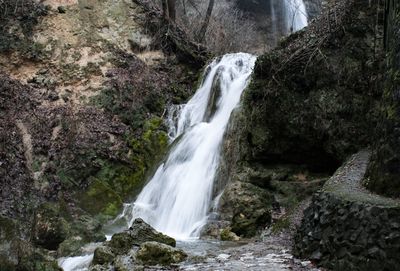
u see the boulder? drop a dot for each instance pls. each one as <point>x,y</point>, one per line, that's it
<point>136,235</point>
<point>103,255</point>
<point>154,253</point>
<point>70,246</point>
<point>227,235</point>
<point>247,206</point>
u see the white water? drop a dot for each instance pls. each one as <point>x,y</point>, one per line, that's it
<point>177,199</point>
<point>295,15</point>
<point>79,263</point>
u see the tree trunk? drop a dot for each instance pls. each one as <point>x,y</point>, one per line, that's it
<point>184,6</point>
<point>165,8</point>
<point>171,10</point>
<point>203,30</point>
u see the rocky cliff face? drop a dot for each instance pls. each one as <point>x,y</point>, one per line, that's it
<point>384,171</point>
<point>83,88</point>
<point>312,101</point>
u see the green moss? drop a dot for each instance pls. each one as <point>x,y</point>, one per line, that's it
<point>101,198</point>
<point>114,182</point>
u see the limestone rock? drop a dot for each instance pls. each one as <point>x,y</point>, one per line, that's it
<point>154,253</point>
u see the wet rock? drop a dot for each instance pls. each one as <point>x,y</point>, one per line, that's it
<point>137,234</point>
<point>70,246</point>
<point>103,255</point>
<point>227,235</point>
<point>154,253</point>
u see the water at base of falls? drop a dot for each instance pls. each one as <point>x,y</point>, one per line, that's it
<point>177,199</point>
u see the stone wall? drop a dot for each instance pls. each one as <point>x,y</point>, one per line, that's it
<point>347,228</point>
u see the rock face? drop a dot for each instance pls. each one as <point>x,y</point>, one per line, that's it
<point>153,253</point>
<point>247,207</point>
<point>384,171</point>
<point>80,108</point>
<point>312,101</point>
<point>347,228</point>
<point>18,254</point>
<point>49,228</point>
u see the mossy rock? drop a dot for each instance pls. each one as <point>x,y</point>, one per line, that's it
<point>23,256</point>
<point>227,235</point>
<point>114,182</point>
<point>153,253</point>
<point>101,198</point>
<point>103,255</point>
<point>137,234</point>
<point>70,246</point>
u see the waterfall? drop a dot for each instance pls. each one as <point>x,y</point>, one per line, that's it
<point>295,15</point>
<point>287,16</point>
<point>177,199</point>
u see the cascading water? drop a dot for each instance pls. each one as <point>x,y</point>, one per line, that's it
<point>287,16</point>
<point>177,199</point>
<point>295,15</point>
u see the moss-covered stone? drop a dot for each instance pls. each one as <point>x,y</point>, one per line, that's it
<point>100,198</point>
<point>227,235</point>
<point>153,253</point>
<point>137,234</point>
<point>70,246</point>
<point>103,255</point>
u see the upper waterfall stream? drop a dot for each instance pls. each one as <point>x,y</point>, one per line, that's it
<point>296,15</point>
<point>177,199</point>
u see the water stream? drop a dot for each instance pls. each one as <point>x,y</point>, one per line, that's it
<point>177,199</point>
<point>295,15</point>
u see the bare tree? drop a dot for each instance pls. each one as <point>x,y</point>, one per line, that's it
<point>203,30</point>
<point>172,10</point>
<point>169,9</point>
